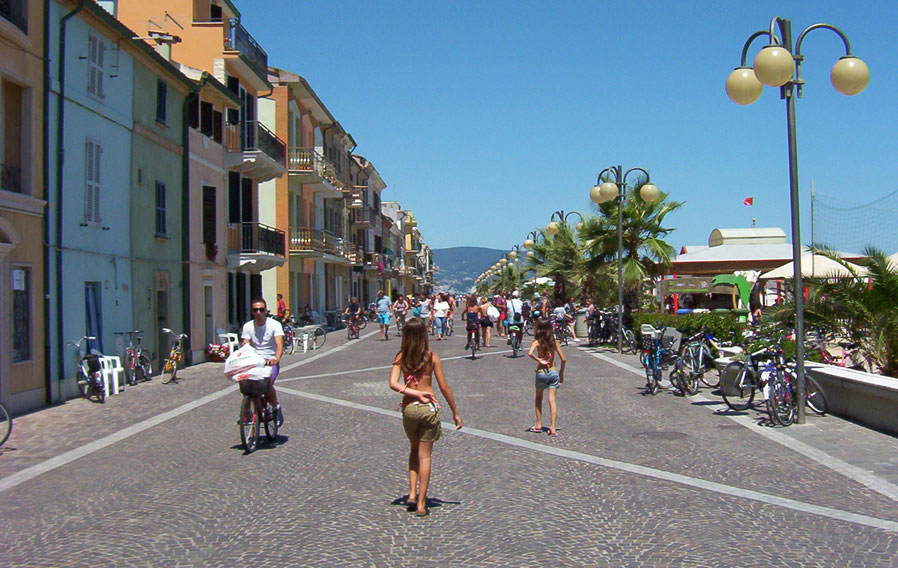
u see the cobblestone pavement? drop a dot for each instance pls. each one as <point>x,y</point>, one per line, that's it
<point>631,480</point>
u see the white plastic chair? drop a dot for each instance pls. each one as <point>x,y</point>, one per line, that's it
<point>111,370</point>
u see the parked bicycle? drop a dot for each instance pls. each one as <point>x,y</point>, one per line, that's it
<point>88,375</point>
<point>697,359</point>
<point>255,412</point>
<point>5,424</point>
<point>289,326</point>
<point>656,355</point>
<point>138,365</point>
<point>175,356</point>
<point>782,393</point>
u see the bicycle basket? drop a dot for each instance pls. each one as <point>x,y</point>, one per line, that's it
<point>671,340</point>
<point>254,387</point>
<point>648,342</point>
<point>93,362</point>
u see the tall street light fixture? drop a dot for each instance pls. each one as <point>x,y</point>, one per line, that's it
<point>515,255</point>
<point>612,184</point>
<point>553,226</point>
<point>779,65</point>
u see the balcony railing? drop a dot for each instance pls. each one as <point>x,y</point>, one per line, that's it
<point>254,136</point>
<point>256,238</point>
<point>273,146</point>
<point>16,11</point>
<point>304,239</point>
<point>310,160</point>
<point>363,217</point>
<point>238,39</point>
<point>11,178</point>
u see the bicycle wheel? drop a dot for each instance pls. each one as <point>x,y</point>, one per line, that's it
<point>528,327</point>
<point>100,391</point>
<point>289,344</point>
<point>705,370</point>
<point>271,425</point>
<point>688,379</point>
<point>319,336</point>
<point>249,425</point>
<point>781,401</point>
<point>515,345</point>
<point>5,424</point>
<point>349,332</point>
<point>740,382</point>
<point>629,342</point>
<point>363,322</point>
<point>130,370</point>
<point>449,327</point>
<point>168,371</point>
<point>83,383</point>
<point>815,398</point>
<point>144,367</point>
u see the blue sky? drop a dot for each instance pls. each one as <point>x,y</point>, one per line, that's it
<point>485,117</point>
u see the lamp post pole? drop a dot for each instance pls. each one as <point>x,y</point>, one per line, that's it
<point>552,229</point>
<point>529,241</point>
<point>515,255</point>
<point>611,183</point>
<point>779,65</point>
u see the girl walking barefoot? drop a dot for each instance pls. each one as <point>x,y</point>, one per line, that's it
<point>413,369</point>
<point>543,351</point>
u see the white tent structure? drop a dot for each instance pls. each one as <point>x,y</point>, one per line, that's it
<point>893,260</point>
<point>814,266</point>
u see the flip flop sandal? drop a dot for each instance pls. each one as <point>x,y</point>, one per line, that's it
<point>534,430</point>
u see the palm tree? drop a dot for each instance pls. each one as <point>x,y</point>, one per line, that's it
<point>645,252</point>
<point>861,311</point>
<point>559,257</point>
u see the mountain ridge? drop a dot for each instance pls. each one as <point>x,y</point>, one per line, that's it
<point>459,266</point>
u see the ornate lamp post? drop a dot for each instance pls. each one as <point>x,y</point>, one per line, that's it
<point>612,184</point>
<point>779,65</point>
<point>515,255</point>
<point>553,226</point>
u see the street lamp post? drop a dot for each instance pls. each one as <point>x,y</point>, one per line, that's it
<point>611,183</point>
<point>530,240</point>
<point>778,65</point>
<point>553,226</point>
<point>515,255</point>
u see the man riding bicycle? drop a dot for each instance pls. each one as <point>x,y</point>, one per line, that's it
<point>353,311</point>
<point>266,335</point>
<point>515,309</point>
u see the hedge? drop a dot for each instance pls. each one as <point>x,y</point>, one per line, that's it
<point>723,326</point>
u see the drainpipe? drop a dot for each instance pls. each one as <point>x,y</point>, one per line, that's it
<point>60,119</point>
<point>185,217</point>
<point>45,156</point>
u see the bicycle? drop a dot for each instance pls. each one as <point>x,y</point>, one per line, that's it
<point>400,322</point>
<point>697,359</point>
<point>472,329</point>
<point>560,327</point>
<point>352,326</point>
<point>170,367</point>
<point>682,377</point>
<point>656,350</point>
<point>514,336</point>
<point>254,413</point>
<point>289,326</point>
<point>88,375</point>
<point>740,379</point>
<point>449,325</point>
<point>5,424</point>
<point>138,365</point>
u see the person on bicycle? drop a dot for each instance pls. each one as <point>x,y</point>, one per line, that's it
<point>383,307</point>
<point>354,310</point>
<point>400,308</point>
<point>266,335</point>
<point>570,309</point>
<point>515,317</point>
<point>472,319</point>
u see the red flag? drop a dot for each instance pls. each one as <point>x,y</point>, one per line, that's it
<point>748,201</point>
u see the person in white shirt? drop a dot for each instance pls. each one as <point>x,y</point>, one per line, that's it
<point>440,312</point>
<point>515,309</point>
<point>266,335</point>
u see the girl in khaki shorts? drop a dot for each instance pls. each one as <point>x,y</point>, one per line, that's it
<point>420,407</point>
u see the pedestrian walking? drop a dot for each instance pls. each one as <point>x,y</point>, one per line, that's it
<point>501,324</point>
<point>383,307</point>
<point>488,315</point>
<point>440,313</point>
<point>411,375</point>
<point>543,350</point>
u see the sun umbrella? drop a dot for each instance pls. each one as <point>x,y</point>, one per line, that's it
<point>815,266</point>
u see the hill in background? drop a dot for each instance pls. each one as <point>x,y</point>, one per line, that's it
<point>459,266</point>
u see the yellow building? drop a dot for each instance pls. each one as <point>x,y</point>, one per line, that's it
<point>23,375</point>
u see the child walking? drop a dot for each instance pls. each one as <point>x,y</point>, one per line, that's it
<point>543,351</point>
<point>413,369</point>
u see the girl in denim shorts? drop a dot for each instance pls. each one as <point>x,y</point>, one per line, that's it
<point>548,377</point>
<point>412,374</point>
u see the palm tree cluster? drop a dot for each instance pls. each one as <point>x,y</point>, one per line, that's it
<point>582,259</point>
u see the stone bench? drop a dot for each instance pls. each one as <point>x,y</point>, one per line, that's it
<point>863,397</point>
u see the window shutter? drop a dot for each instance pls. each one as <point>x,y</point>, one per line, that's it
<point>98,152</point>
<point>209,214</point>
<point>91,64</point>
<point>216,126</point>
<point>88,182</point>
<point>101,50</point>
<point>160,208</point>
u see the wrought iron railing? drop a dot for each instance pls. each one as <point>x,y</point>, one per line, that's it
<point>310,160</point>
<point>304,239</point>
<point>238,39</point>
<point>11,178</point>
<point>256,238</point>
<point>363,217</point>
<point>269,143</point>
<point>16,11</point>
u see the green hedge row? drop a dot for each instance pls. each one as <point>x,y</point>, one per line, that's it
<point>723,326</point>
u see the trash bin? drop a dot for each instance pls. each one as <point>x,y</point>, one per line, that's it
<point>580,325</point>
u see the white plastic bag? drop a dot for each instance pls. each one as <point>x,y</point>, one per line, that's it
<point>243,359</point>
<point>254,374</point>
<point>493,313</point>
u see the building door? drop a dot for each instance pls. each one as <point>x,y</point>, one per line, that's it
<point>163,340</point>
<point>93,316</point>
<point>208,298</point>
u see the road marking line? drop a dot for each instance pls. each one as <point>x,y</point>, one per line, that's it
<point>281,381</point>
<point>326,353</point>
<point>694,482</point>
<point>62,459</point>
<point>853,472</point>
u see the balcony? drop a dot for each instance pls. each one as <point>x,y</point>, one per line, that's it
<point>254,247</point>
<point>16,12</point>
<point>11,177</point>
<point>315,243</point>
<point>353,196</point>
<point>240,42</point>
<point>364,218</point>
<point>354,254</point>
<point>374,261</point>
<point>255,151</point>
<point>313,170</point>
